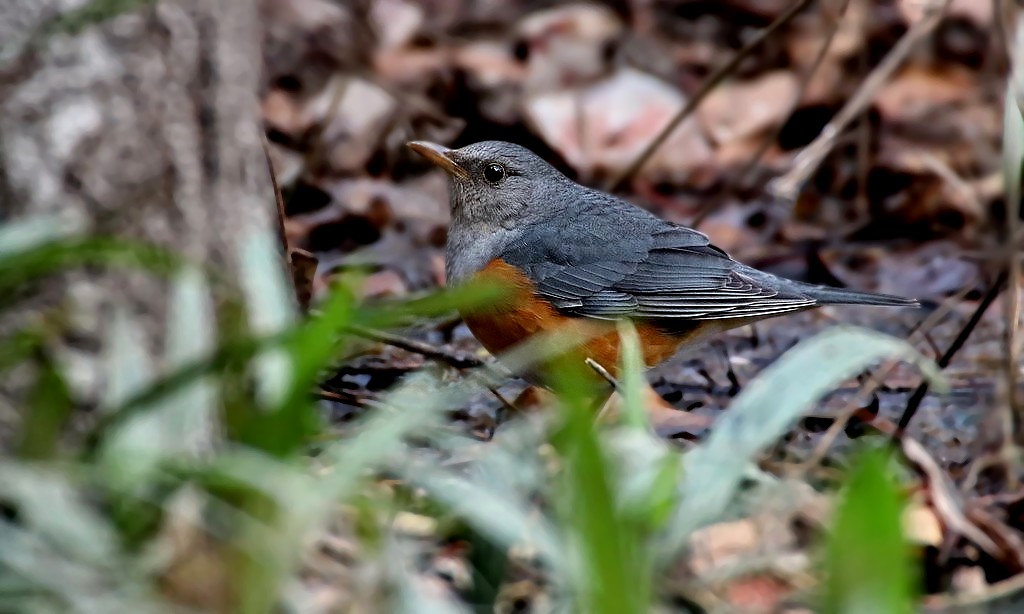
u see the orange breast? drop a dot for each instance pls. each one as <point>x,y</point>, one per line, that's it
<point>521,314</point>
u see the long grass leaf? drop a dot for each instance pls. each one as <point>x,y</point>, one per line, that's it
<point>271,305</point>
<point>868,561</point>
<point>763,411</point>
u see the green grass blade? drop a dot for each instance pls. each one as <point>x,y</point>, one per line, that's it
<point>272,308</point>
<point>768,406</point>
<point>868,561</point>
<point>631,378</point>
<point>51,507</point>
<point>24,234</point>
<point>50,406</point>
<point>181,423</point>
<point>190,412</point>
<point>611,573</point>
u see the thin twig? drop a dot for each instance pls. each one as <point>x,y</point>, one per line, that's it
<point>944,496</point>
<point>457,360</point>
<point>773,136</point>
<point>346,398</point>
<point>807,161</point>
<point>915,400</point>
<point>709,84</point>
<point>279,199</point>
<point>608,377</point>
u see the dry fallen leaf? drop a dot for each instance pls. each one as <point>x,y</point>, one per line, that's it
<point>566,44</point>
<point>723,544</point>
<point>395,22</point>
<point>354,133</point>
<point>739,109</point>
<point>383,284</point>
<point>921,525</point>
<point>918,89</point>
<point>604,127</point>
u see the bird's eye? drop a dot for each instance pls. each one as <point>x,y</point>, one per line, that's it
<point>494,172</point>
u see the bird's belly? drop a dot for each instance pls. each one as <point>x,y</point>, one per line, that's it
<point>522,315</point>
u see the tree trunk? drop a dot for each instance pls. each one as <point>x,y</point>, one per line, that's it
<point>145,123</point>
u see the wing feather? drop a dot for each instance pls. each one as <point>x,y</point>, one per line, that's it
<point>647,268</point>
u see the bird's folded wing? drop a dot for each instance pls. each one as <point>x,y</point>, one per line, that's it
<point>677,274</point>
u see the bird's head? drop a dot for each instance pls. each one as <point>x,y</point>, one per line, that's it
<point>496,183</point>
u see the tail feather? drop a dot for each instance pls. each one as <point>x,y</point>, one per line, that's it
<point>826,295</point>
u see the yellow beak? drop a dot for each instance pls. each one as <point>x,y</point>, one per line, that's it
<point>439,155</point>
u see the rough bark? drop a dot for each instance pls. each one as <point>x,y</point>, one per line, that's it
<point>147,123</point>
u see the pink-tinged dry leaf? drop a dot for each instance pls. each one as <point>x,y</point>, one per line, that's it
<point>918,89</point>
<point>566,45</point>
<point>409,64</point>
<point>355,131</point>
<point>384,284</point>
<point>978,11</point>
<point>421,204</point>
<point>723,544</point>
<point>283,112</point>
<point>921,525</point>
<point>805,44</point>
<point>728,228</point>
<point>969,581</point>
<point>618,117</point>
<point>395,22</point>
<point>494,77</point>
<point>490,63</point>
<point>758,593</point>
<point>739,109</point>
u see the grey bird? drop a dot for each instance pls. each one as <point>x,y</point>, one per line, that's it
<point>576,259</point>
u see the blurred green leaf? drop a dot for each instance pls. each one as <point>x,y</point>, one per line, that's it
<point>51,507</point>
<point>271,304</point>
<point>19,347</point>
<point>135,445</point>
<point>20,235</point>
<point>94,12</point>
<point>36,575</point>
<point>868,562</point>
<point>389,313</point>
<point>49,408</point>
<point>614,573</point>
<point>500,515</point>
<point>768,406</point>
<point>631,378</point>
<point>290,503</point>
<point>179,424</point>
<point>648,472</point>
<point>190,412</point>
<point>310,351</point>
<point>127,368</point>
<point>19,269</point>
<point>227,353</point>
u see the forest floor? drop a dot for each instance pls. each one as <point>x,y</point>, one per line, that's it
<point>907,198</point>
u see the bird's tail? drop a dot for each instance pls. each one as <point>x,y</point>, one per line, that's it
<point>841,296</point>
